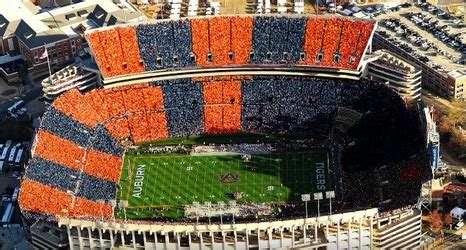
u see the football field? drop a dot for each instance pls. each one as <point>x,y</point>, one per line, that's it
<point>167,180</point>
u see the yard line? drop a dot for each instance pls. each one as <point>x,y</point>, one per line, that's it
<point>153,168</point>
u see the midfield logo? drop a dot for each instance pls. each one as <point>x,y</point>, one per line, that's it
<point>229,178</point>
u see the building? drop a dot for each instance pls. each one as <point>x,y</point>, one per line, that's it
<point>410,34</point>
<point>72,76</point>
<point>48,236</point>
<point>448,84</point>
<point>402,76</point>
<point>27,29</point>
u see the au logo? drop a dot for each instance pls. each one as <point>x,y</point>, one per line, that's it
<point>229,178</point>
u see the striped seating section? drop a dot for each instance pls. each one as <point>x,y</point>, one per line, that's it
<point>117,51</point>
<point>324,41</point>
<point>78,155</point>
<point>222,106</point>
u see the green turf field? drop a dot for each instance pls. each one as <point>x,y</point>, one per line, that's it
<point>175,180</point>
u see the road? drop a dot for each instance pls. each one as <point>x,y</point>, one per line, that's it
<point>29,96</point>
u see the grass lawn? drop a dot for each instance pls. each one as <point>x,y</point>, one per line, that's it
<point>171,181</point>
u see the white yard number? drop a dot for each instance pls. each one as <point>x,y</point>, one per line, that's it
<point>189,168</point>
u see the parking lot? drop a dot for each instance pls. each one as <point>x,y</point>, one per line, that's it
<point>427,34</point>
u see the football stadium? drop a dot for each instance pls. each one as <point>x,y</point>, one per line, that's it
<point>231,132</point>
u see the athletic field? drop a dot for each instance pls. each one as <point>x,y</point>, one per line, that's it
<point>166,180</point>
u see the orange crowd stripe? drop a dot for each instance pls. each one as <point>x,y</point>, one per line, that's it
<point>213,92</point>
<point>115,103</point>
<point>118,127</point>
<point>232,118</point>
<point>99,53</point>
<point>37,197</point>
<point>94,99</point>
<point>153,98</point>
<point>219,30</point>
<point>134,100</point>
<point>213,116</point>
<point>231,92</point>
<point>241,38</point>
<point>349,41</point>
<point>86,208</point>
<point>157,125</point>
<point>138,127</point>
<point>331,40</point>
<point>366,33</point>
<point>59,150</point>
<point>103,165</point>
<point>130,47</point>
<point>71,103</point>
<point>313,39</point>
<point>200,37</point>
<point>111,44</point>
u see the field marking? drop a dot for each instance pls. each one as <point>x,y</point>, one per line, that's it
<point>254,190</point>
<point>130,180</point>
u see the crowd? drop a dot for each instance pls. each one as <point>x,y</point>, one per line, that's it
<point>116,51</point>
<point>94,188</point>
<point>222,106</point>
<point>232,40</point>
<point>278,40</point>
<point>220,40</point>
<point>72,105</point>
<point>166,44</point>
<point>65,127</point>
<point>331,40</point>
<point>294,105</point>
<point>241,39</point>
<point>184,108</point>
<point>54,148</point>
<point>315,30</point>
<point>104,142</point>
<point>42,198</point>
<point>201,44</point>
<point>102,165</point>
<point>345,38</point>
<point>243,148</point>
<point>52,174</point>
<point>82,155</point>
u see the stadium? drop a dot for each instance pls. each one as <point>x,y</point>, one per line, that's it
<point>231,132</point>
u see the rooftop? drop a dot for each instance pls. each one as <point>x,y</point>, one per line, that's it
<point>441,55</point>
<point>36,26</point>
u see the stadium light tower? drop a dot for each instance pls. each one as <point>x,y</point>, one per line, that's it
<point>232,208</point>
<point>113,204</point>
<point>196,208</point>
<point>208,204</point>
<point>318,197</point>
<point>221,205</point>
<point>123,204</point>
<point>101,214</point>
<point>306,198</point>
<point>330,195</point>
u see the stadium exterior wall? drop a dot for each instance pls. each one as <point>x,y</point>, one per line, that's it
<point>364,229</point>
<point>300,232</point>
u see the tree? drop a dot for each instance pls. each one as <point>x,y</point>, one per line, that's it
<point>447,219</point>
<point>435,221</point>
